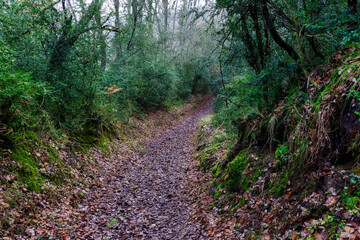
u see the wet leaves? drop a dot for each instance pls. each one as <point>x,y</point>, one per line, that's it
<point>152,188</point>
<point>139,190</point>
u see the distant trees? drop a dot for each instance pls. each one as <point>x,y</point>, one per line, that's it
<point>160,51</point>
<point>70,50</point>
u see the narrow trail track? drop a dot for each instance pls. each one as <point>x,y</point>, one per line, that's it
<point>148,197</point>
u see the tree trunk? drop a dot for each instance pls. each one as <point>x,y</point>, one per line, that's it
<point>174,23</point>
<point>312,43</point>
<point>165,11</point>
<point>135,12</point>
<point>248,42</point>
<point>117,41</point>
<point>274,34</point>
<point>352,5</point>
<point>101,39</point>
<point>69,36</point>
<point>255,18</point>
<point>267,48</point>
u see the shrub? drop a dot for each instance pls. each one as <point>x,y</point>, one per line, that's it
<point>21,98</point>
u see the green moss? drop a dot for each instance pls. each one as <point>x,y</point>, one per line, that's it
<point>27,169</point>
<point>92,138</point>
<point>234,176</point>
<point>25,152</point>
<point>53,153</point>
<point>279,187</point>
<point>31,136</point>
<point>235,170</point>
<point>217,195</point>
<point>206,156</point>
<point>210,142</point>
<point>207,119</point>
<point>282,155</point>
<point>216,170</point>
<point>243,172</point>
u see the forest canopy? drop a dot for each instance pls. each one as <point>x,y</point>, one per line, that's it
<point>74,63</point>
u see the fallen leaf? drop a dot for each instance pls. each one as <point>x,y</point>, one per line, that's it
<point>286,196</point>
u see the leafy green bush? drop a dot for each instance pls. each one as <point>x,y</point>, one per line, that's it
<point>145,86</point>
<point>246,97</point>
<point>155,85</point>
<point>235,171</point>
<point>21,98</point>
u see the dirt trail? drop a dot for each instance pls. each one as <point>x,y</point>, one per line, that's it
<point>148,198</point>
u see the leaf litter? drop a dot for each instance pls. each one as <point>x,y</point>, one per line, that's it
<point>151,194</point>
<point>148,187</point>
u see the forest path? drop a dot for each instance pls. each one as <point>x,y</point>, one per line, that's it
<point>152,195</point>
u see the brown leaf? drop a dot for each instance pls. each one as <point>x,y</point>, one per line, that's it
<point>294,236</point>
<point>353,132</point>
<point>286,196</point>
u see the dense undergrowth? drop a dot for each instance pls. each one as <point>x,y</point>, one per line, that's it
<point>293,168</point>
